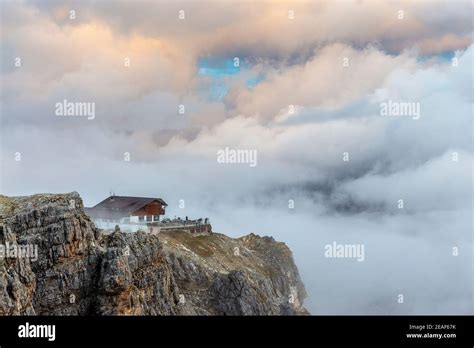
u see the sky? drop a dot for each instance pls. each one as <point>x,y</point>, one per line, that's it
<point>300,83</point>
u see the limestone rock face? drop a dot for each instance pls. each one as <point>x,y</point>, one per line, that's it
<point>81,270</point>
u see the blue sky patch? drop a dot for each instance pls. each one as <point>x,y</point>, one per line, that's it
<point>220,71</point>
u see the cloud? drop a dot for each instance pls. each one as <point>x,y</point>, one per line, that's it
<point>324,80</point>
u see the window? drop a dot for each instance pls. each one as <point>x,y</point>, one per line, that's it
<point>148,218</point>
<point>156,218</point>
<point>141,218</point>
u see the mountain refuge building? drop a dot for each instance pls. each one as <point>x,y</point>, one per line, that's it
<point>130,213</point>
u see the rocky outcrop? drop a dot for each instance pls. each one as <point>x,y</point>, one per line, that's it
<point>81,270</point>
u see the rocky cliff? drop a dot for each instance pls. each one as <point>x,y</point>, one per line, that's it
<point>81,270</point>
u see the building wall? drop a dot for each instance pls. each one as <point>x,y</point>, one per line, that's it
<point>151,227</point>
<point>105,223</point>
<point>124,226</point>
<point>132,227</point>
<point>153,208</point>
